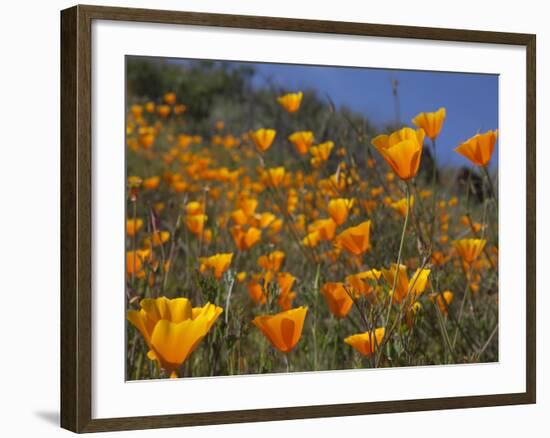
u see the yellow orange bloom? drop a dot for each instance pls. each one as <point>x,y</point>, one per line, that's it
<point>415,286</point>
<point>135,261</point>
<point>366,343</point>
<point>355,240</point>
<point>339,208</point>
<point>285,280</point>
<point>172,328</point>
<point>170,98</point>
<point>151,183</point>
<point>291,101</point>
<point>219,263</point>
<point>338,300</point>
<point>263,138</point>
<point>274,177</point>
<point>469,249</point>
<point>443,303</point>
<point>284,301</point>
<point>256,292</point>
<point>431,123</point>
<point>302,141</point>
<point>163,110</point>
<point>325,227</point>
<point>402,150</point>
<point>312,239</point>
<point>362,282</point>
<point>401,206</point>
<point>133,226</point>
<point>272,261</point>
<point>245,240</point>
<point>157,238</point>
<point>284,329</point>
<point>195,223</point>
<point>320,153</point>
<point>479,148</point>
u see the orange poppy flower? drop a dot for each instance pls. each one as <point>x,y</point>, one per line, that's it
<point>366,343</point>
<point>479,148</point>
<point>402,150</point>
<point>170,98</point>
<point>195,223</point>
<point>431,123</point>
<point>219,263</point>
<point>291,101</point>
<point>320,153</point>
<point>274,177</point>
<point>272,261</point>
<point>256,292</point>
<point>172,328</point>
<point>263,138</point>
<point>415,286</point>
<point>133,226</point>
<point>302,141</point>
<point>401,206</point>
<point>362,282</point>
<point>355,240</point>
<point>338,300</point>
<point>469,249</point>
<point>157,238</point>
<point>245,240</point>
<point>325,227</point>
<point>442,303</point>
<point>151,183</point>
<point>284,329</point>
<point>339,208</point>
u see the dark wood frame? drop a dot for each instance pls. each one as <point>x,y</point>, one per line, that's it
<point>76,226</point>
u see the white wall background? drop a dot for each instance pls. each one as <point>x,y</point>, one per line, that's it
<point>29,214</point>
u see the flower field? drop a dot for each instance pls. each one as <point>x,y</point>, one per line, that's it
<point>269,231</point>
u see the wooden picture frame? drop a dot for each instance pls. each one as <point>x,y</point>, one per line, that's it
<point>76,217</point>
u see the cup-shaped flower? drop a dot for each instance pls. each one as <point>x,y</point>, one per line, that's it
<point>469,249</point>
<point>400,206</point>
<point>172,328</point>
<point>415,286</point>
<point>135,261</point>
<point>479,148</point>
<point>157,238</point>
<point>355,240</point>
<point>245,239</point>
<point>339,208</point>
<point>291,101</point>
<point>272,261</point>
<point>285,280</point>
<point>302,141</point>
<point>218,263</point>
<point>402,150</point>
<point>325,227</point>
<point>367,343</point>
<point>133,226</point>
<point>320,153</point>
<point>263,138</point>
<point>274,176</point>
<point>363,283</point>
<point>312,239</point>
<point>283,329</point>
<point>256,292</point>
<point>431,123</point>
<point>151,183</point>
<point>443,300</point>
<point>195,223</point>
<point>338,300</point>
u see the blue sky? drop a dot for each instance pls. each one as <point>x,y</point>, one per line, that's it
<point>471,100</point>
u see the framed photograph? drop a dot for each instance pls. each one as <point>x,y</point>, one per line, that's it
<point>269,218</point>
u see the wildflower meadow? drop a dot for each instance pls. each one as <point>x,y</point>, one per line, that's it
<point>272,230</point>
